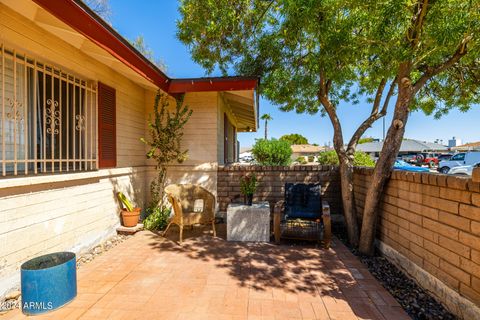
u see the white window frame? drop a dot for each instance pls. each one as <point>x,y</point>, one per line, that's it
<point>31,118</point>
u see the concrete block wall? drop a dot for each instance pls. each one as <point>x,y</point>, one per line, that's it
<point>272,181</point>
<point>69,212</point>
<point>434,221</point>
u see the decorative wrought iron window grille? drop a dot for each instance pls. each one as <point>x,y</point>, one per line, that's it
<point>48,118</point>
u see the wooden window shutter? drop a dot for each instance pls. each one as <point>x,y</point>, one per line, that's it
<point>107,133</point>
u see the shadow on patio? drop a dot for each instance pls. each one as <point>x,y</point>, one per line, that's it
<point>312,281</point>
<point>150,277</point>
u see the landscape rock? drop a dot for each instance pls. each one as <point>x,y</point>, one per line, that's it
<point>99,249</point>
<point>13,295</point>
<point>417,302</point>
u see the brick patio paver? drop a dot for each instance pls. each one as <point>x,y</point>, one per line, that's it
<point>150,277</point>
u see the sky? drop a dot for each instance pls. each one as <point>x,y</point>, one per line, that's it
<point>156,21</point>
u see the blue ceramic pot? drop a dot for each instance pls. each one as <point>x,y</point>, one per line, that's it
<point>48,282</point>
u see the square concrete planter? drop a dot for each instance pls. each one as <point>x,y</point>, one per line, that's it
<point>248,223</point>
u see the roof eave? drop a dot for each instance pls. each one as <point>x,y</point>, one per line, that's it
<point>81,18</point>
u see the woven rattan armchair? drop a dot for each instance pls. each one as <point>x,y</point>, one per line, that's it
<point>191,205</point>
<point>302,214</point>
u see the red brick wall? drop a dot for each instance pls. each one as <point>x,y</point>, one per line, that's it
<point>272,183</point>
<point>434,220</point>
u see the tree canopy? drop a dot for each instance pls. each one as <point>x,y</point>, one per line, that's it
<point>140,44</point>
<point>100,7</point>
<point>266,117</point>
<point>313,56</point>
<point>355,44</point>
<point>294,138</point>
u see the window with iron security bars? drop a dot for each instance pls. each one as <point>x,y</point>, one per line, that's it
<point>48,118</point>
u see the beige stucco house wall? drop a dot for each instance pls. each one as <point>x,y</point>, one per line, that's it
<point>74,211</point>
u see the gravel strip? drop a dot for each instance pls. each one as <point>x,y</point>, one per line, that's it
<point>417,302</point>
<point>101,248</point>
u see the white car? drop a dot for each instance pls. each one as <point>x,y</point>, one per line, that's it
<point>464,170</point>
<point>460,159</point>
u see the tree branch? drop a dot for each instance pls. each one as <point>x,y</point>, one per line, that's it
<point>378,96</point>
<point>324,87</point>
<point>262,15</point>
<point>389,95</point>
<point>433,71</point>
<point>374,116</point>
<point>413,35</point>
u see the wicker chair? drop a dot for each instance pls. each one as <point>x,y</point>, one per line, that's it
<point>191,205</point>
<point>302,215</point>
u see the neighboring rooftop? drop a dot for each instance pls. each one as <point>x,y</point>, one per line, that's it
<point>307,148</point>
<point>408,145</point>
<point>468,146</point>
<point>245,149</point>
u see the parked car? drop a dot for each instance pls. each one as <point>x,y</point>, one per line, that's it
<point>464,170</point>
<point>444,156</point>
<point>459,159</point>
<point>402,165</point>
<point>429,158</point>
<point>409,157</point>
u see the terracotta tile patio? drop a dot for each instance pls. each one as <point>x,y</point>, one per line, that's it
<point>149,277</point>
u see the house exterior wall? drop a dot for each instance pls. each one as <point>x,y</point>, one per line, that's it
<point>76,211</point>
<point>45,213</point>
<point>200,139</point>
<point>429,225</point>
<point>223,109</point>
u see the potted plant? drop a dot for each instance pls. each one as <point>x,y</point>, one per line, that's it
<point>248,186</point>
<point>130,214</point>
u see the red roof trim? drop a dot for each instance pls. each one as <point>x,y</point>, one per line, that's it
<point>79,17</point>
<point>212,84</point>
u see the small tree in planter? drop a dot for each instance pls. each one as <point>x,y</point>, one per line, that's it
<point>248,186</point>
<point>166,132</point>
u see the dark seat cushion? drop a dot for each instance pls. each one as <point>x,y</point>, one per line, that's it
<point>303,201</point>
<point>301,213</point>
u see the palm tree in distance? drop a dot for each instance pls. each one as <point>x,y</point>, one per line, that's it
<point>267,118</point>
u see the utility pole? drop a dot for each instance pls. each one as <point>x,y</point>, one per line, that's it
<point>383,119</point>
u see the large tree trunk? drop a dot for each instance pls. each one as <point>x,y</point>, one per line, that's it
<point>266,130</point>
<point>383,167</point>
<point>346,182</point>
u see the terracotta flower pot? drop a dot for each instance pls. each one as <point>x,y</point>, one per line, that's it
<point>130,219</point>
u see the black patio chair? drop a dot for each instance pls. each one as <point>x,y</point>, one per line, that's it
<point>302,214</point>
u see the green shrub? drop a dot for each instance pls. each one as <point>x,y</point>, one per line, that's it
<point>294,138</point>
<point>311,158</point>
<point>156,218</point>
<point>301,160</point>
<point>272,152</point>
<point>328,158</point>
<point>361,159</point>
